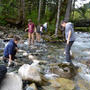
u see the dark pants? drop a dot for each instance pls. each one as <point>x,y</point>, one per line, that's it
<point>5,58</point>
<point>68,47</point>
<point>45,29</point>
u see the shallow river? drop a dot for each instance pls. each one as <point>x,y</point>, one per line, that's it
<point>54,53</point>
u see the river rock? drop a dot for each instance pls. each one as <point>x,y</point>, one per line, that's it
<point>11,82</point>
<point>82,85</point>
<point>51,76</point>
<point>25,54</point>
<point>88,63</point>
<point>1,58</point>
<point>2,45</point>
<point>32,87</point>
<point>1,34</point>
<point>54,83</point>
<point>28,72</point>
<point>66,84</point>
<point>31,57</point>
<point>36,65</point>
<point>63,70</point>
<point>60,84</point>
<point>10,35</point>
<point>40,61</point>
<point>48,88</point>
<point>21,51</point>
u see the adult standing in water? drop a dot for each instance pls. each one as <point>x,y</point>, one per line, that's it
<point>30,29</point>
<point>70,38</point>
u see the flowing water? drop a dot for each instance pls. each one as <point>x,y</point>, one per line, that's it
<point>54,53</point>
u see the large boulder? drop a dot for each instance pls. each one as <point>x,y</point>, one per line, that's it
<point>66,84</point>
<point>32,87</point>
<point>60,84</point>
<point>63,70</point>
<point>28,72</point>
<point>12,81</point>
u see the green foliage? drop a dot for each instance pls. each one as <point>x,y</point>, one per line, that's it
<point>52,26</point>
<point>2,21</point>
<point>83,29</point>
<point>1,9</point>
<point>33,15</point>
<point>87,14</point>
<point>78,16</point>
<point>12,8</point>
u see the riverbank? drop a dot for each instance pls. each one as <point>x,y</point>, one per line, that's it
<point>51,57</point>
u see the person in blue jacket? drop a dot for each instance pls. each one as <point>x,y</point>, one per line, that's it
<point>11,49</point>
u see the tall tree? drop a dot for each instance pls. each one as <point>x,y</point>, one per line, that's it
<point>39,11</point>
<point>58,15</point>
<point>68,10</point>
<point>43,9</point>
<point>21,11</point>
<point>73,7</point>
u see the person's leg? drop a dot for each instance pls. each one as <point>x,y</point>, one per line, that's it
<point>14,53</point>
<point>36,36</point>
<point>5,59</point>
<point>39,38</point>
<point>45,29</point>
<point>68,47</point>
<point>32,38</point>
<point>29,37</point>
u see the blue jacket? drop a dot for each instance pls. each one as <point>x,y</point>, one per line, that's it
<point>10,48</point>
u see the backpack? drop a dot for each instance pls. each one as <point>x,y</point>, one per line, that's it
<point>3,71</point>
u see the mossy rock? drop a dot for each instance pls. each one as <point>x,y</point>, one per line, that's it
<point>60,84</point>
<point>64,70</point>
<point>66,84</point>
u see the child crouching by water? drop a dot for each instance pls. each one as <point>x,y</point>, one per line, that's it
<point>30,29</point>
<point>11,50</point>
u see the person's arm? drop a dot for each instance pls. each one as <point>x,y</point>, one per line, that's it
<point>16,49</point>
<point>35,29</point>
<point>41,29</point>
<point>26,29</point>
<point>10,50</point>
<point>10,58</point>
<point>69,35</point>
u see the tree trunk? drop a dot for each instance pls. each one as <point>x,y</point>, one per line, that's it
<point>58,15</point>
<point>39,11</point>
<point>73,9</point>
<point>21,11</point>
<point>43,8</point>
<point>68,10</point>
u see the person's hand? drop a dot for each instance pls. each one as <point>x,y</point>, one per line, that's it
<point>25,30</point>
<point>67,42</point>
<point>16,48</point>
